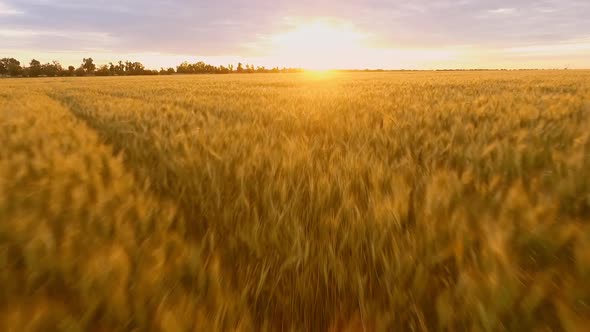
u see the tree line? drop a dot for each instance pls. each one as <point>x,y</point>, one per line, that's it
<point>13,68</point>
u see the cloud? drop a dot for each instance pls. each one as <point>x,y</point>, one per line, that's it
<point>228,27</point>
<point>6,10</point>
<point>581,47</point>
<point>502,11</point>
<point>54,40</point>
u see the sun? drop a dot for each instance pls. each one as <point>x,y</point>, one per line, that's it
<point>320,45</point>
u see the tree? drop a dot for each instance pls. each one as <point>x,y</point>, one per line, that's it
<point>103,71</point>
<point>11,66</point>
<point>58,68</point>
<point>71,71</point>
<point>120,68</point>
<point>52,69</point>
<point>183,68</point>
<point>14,68</point>
<point>135,68</point>
<point>34,68</point>
<point>112,69</point>
<point>80,71</point>
<point>88,65</point>
<point>168,71</point>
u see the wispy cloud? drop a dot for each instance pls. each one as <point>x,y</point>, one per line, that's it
<point>7,10</point>
<point>581,47</point>
<point>55,40</point>
<point>502,11</point>
<point>27,33</point>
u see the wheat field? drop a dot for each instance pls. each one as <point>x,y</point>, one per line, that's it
<point>397,201</point>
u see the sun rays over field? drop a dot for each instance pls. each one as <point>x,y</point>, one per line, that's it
<point>325,43</point>
<point>317,44</point>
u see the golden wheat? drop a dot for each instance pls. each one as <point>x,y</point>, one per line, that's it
<point>376,201</point>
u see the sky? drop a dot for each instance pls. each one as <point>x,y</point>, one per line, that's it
<point>315,34</point>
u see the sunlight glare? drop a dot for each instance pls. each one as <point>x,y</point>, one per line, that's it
<point>320,74</point>
<point>320,45</point>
